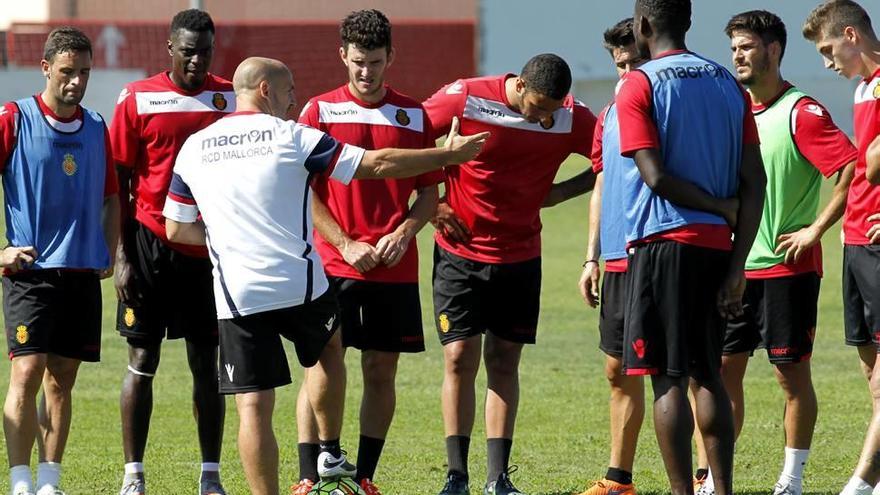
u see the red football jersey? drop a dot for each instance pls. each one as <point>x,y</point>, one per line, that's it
<point>367,210</point>
<point>499,194</point>
<point>152,120</point>
<point>863,199</point>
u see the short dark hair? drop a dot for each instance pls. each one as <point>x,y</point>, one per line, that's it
<point>547,74</point>
<point>619,35</point>
<point>195,20</point>
<point>833,16</point>
<point>767,25</point>
<point>670,16</point>
<point>66,39</point>
<point>368,29</point>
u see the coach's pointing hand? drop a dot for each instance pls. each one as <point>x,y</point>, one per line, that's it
<point>17,258</point>
<point>464,148</point>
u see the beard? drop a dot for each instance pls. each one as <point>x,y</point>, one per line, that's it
<point>758,67</point>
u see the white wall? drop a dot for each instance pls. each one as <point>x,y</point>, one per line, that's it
<point>23,11</point>
<point>104,87</point>
<point>514,30</point>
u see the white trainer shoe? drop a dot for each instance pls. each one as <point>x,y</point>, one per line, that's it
<point>330,467</point>
<point>133,487</point>
<point>787,489</point>
<point>49,490</point>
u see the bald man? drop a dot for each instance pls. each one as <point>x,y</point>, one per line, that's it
<point>243,184</point>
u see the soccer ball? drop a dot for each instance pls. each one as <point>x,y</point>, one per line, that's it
<point>342,486</point>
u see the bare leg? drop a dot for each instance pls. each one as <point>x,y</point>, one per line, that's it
<point>256,441</point>
<point>55,412</point>
<point>326,387</point>
<point>627,408</point>
<point>20,424</point>
<point>209,407</point>
<point>136,401</point>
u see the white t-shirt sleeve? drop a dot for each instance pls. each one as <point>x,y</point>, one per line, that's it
<point>180,205</point>
<point>327,155</point>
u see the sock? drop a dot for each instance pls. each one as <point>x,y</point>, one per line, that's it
<point>332,447</point>
<point>619,476</point>
<point>710,482</point>
<point>133,471</point>
<point>210,471</point>
<point>308,461</point>
<point>20,478</point>
<point>701,473</point>
<point>48,473</point>
<point>793,469</point>
<point>857,486</point>
<point>498,456</point>
<point>369,451</point>
<point>457,447</point>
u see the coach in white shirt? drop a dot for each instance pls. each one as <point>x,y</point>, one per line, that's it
<point>248,176</point>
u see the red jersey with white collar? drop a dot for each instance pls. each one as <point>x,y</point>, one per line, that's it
<point>863,199</point>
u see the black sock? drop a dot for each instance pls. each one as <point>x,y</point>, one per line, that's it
<point>457,447</point>
<point>619,476</point>
<point>331,446</point>
<point>498,454</point>
<point>308,461</point>
<point>369,451</point>
<point>702,473</point>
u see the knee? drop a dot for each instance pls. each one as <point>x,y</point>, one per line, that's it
<point>27,373</point>
<point>379,369</point>
<point>614,372</point>
<point>502,364</point>
<point>462,362</point>
<point>143,361</point>
<point>794,378</point>
<point>61,379</point>
<point>202,360</point>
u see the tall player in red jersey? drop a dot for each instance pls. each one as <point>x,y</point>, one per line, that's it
<point>163,287</point>
<point>366,236</point>
<point>842,32</point>
<point>487,261</point>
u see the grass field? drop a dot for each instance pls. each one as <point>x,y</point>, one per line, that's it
<point>562,428</point>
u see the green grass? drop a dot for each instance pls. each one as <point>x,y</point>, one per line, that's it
<point>562,429</point>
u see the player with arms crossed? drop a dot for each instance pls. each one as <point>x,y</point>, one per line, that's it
<point>608,236</point>
<point>487,260</point>
<point>843,35</point>
<point>248,199</point>
<point>164,288</point>
<point>62,223</point>
<point>799,145</point>
<point>691,169</point>
<point>366,236</point>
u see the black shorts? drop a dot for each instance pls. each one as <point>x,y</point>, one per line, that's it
<point>53,311</point>
<point>379,316</point>
<point>471,297</point>
<point>612,307</point>
<point>672,324</point>
<point>252,357</point>
<point>861,294</point>
<point>177,290</point>
<point>779,314</point>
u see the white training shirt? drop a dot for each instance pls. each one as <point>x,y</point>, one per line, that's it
<point>248,176</point>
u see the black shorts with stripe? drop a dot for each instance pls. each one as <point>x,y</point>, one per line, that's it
<point>612,308</point>
<point>53,311</point>
<point>379,316</point>
<point>472,297</point>
<point>177,293</point>
<point>252,356</point>
<point>672,324</point>
<point>779,315</point>
<point>861,294</point>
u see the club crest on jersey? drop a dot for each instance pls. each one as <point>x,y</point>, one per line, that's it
<point>21,334</point>
<point>69,164</point>
<point>444,323</point>
<point>402,118</point>
<point>548,124</point>
<point>876,93</point>
<point>128,317</point>
<point>219,101</point>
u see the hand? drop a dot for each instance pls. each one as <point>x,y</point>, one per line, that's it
<point>463,148</point>
<point>447,222</point>
<point>17,258</point>
<point>105,273</point>
<point>873,234</point>
<point>797,243</point>
<point>124,281</point>
<point>730,295</point>
<point>392,247</point>
<point>730,210</point>
<point>360,255</point>
<point>589,283</point>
